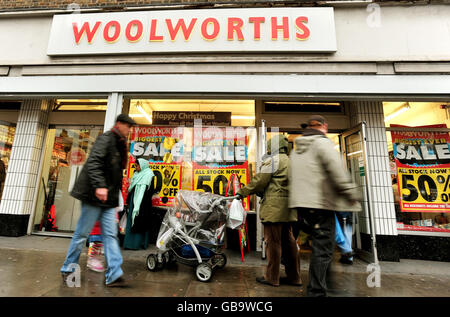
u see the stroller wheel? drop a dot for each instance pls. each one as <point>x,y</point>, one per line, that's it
<point>220,260</point>
<point>204,272</point>
<point>160,262</point>
<point>168,258</point>
<point>152,262</point>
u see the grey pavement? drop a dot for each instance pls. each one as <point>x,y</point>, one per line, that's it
<point>29,266</point>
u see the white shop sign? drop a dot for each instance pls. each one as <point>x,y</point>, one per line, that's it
<point>215,30</point>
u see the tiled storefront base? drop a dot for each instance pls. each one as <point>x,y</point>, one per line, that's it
<point>13,225</point>
<point>387,247</point>
<point>395,248</point>
<point>424,248</point>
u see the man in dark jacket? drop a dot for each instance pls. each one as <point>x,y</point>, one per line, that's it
<point>98,187</point>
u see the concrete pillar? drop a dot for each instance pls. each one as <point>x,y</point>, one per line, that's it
<point>383,210</point>
<point>114,108</point>
<point>21,181</point>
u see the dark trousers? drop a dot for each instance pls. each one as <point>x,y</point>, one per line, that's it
<point>279,240</point>
<point>321,226</point>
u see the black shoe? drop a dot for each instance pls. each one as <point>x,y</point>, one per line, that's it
<point>346,260</point>
<point>64,277</point>
<point>286,281</point>
<point>262,280</point>
<point>120,282</point>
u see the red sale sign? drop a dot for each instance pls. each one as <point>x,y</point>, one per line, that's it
<point>219,153</point>
<point>163,148</point>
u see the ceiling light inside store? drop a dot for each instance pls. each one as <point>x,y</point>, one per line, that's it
<point>145,114</point>
<point>237,117</point>
<point>398,112</point>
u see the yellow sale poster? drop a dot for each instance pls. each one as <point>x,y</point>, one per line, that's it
<point>219,153</point>
<point>423,168</point>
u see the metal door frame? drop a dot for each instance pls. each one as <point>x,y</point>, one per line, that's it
<point>362,127</point>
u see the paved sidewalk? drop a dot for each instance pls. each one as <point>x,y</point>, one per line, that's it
<point>29,266</point>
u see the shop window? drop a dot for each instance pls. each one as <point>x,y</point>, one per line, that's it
<point>80,105</point>
<point>6,140</point>
<point>67,149</point>
<point>419,153</point>
<point>184,156</point>
<point>180,112</point>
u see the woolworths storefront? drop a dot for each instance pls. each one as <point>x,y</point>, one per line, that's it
<point>384,88</point>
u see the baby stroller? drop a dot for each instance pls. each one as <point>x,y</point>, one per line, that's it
<point>192,233</point>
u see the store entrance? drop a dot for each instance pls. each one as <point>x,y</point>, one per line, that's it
<point>67,149</point>
<point>352,146</point>
<point>354,151</point>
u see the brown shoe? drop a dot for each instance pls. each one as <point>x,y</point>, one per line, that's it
<point>262,280</point>
<point>286,281</point>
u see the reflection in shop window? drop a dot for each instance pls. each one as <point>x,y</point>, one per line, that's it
<point>80,105</point>
<point>166,136</point>
<point>6,141</point>
<point>201,159</point>
<point>66,152</point>
<point>239,113</point>
<point>420,164</point>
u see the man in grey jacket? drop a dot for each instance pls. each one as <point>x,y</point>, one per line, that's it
<point>319,186</point>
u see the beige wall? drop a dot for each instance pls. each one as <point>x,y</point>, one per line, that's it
<point>405,33</point>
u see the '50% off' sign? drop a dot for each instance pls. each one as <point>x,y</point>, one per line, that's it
<point>425,190</point>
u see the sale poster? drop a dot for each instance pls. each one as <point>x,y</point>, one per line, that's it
<point>163,148</point>
<point>423,168</point>
<point>217,154</point>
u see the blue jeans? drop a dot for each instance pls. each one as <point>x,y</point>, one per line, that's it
<point>107,217</point>
<point>346,246</point>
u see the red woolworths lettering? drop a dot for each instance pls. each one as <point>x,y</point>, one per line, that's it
<point>277,27</point>
<point>139,31</point>
<point>256,26</point>
<point>216,29</point>
<point>299,23</point>
<point>187,31</point>
<point>235,26</point>
<point>106,31</point>
<point>90,34</point>
<point>153,36</point>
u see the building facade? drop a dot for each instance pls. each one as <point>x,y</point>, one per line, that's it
<point>378,71</point>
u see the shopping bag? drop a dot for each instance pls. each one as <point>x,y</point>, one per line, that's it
<point>340,238</point>
<point>123,223</point>
<point>237,214</point>
<point>233,185</point>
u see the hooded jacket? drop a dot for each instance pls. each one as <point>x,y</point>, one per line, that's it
<point>140,183</point>
<point>317,177</point>
<point>272,183</point>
